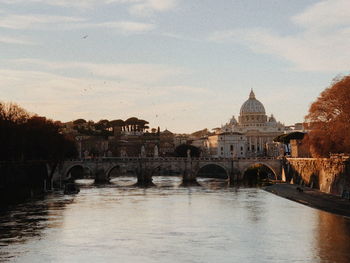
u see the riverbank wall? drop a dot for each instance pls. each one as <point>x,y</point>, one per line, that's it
<point>20,181</point>
<point>329,175</point>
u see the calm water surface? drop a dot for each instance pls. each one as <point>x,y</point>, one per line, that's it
<point>168,223</point>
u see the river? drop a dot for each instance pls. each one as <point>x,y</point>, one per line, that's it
<point>169,223</point>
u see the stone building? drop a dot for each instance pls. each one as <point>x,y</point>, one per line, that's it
<point>131,145</point>
<point>298,149</point>
<point>92,146</point>
<point>227,144</point>
<point>166,143</point>
<point>251,136</point>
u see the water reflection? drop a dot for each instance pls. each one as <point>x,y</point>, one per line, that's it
<point>333,238</point>
<point>169,223</point>
<point>27,222</point>
<point>124,180</point>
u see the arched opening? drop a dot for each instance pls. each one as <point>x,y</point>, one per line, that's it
<point>119,176</point>
<point>314,182</point>
<point>212,171</point>
<point>164,176</point>
<point>212,175</point>
<point>80,175</point>
<point>258,174</point>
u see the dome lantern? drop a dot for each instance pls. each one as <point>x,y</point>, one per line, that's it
<point>251,95</point>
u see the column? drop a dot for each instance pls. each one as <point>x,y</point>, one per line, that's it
<point>250,144</point>
<point>261,144</point>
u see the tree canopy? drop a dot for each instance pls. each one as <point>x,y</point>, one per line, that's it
<point>79,122</point>
<point>31,137</point>
<point>329,120</point>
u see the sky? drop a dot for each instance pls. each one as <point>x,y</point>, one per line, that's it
<point>183,65</point>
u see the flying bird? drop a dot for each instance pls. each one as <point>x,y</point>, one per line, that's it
<point>85,37</point>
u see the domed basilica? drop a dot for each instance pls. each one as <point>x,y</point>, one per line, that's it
<point>251,136</point>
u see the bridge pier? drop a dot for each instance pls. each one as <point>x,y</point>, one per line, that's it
<point>189,176</point>
<point>101,177</point>
<point>234,177</point>
<point>144,174</point>
<point>189,179</point>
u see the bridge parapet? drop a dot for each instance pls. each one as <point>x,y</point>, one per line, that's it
<point>124,159</point>
<point>234,167</point>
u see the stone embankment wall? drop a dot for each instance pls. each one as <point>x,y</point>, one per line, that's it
<point>329,175</point>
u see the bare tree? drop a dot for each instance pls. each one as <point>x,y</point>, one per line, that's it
<point>11,112</point>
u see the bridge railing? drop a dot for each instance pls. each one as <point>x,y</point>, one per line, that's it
<point>171,159</point>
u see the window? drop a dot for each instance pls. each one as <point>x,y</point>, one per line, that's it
<point>222,148</point>
<point>241,148</point>
<point>231,148</point>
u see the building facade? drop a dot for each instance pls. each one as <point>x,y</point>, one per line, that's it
<point>250,136</point>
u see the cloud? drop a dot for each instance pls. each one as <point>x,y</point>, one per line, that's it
<point>35,21</point>
<point>63,97</point>
<point>16,40</point>
<point>60,3</point>
<point>322,44</point>
<point>148,7</point>
<point>138,7</point>
<point>324,15</point>
<point>127,26</point>
<point>135,73</point>
<point>47,22</point>
<point>129,90</point>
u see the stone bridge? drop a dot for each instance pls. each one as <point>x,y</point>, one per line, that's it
<point>144,168</point>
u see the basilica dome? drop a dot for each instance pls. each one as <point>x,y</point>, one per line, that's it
<point>252,106</point>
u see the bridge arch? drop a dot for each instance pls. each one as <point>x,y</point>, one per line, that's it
<point>213,168</point>
<point>117,167</point>
<point>274,175</point>
<point>68,175</point>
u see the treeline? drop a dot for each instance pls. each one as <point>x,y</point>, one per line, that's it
<point>106,128</point>
<point>26,137</point>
